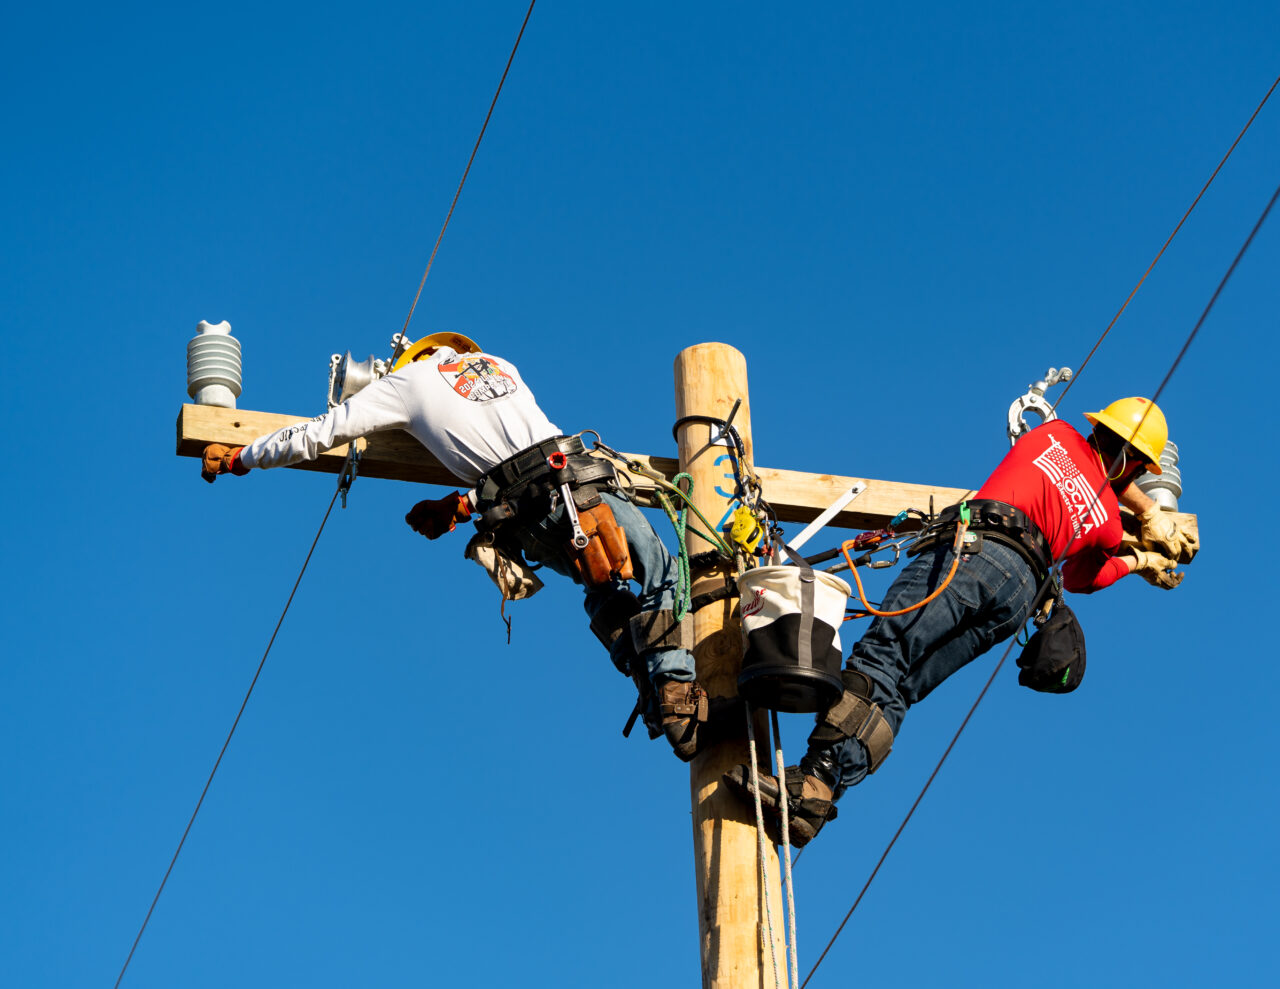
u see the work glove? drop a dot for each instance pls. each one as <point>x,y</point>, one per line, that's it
<point>514,577</point>
<point>1155,569</point>
<point>220,459</point>
<point>1162,531</point>
<point>435,517</point>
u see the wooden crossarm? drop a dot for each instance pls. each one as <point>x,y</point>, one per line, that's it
<point>795,495</point>
<point>394,454</point>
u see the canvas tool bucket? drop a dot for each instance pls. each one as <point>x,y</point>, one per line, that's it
<point>791,618</point>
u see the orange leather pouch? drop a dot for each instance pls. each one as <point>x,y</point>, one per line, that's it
<point>605,558</point>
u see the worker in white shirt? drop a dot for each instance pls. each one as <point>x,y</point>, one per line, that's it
<point>539,496</point>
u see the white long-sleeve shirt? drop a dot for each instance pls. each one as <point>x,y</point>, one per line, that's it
<point>472,411</point>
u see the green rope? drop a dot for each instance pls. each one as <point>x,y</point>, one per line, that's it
<point>680,522</point>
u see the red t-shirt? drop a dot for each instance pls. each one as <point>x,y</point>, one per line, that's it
<point>1054,476</point>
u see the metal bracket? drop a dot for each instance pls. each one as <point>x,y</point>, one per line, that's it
<point>1034,401</point>
<point>350,467</point>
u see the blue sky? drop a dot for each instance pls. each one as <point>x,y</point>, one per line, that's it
<point>901,216</point>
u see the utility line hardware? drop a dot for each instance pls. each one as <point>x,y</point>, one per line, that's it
<point>213,365</point>
<point>832,510</point>
<point>350,468</point>
<point>1165,488</point>
<point>346,377</point>
<point>1033,401</point>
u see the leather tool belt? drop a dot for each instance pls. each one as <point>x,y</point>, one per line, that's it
<point>996,521</point>
<point>524,481</point>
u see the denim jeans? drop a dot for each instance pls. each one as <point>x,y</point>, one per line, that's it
<point>906,656</point>
<point>545,541</point>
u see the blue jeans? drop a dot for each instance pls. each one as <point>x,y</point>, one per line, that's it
<point>906,656</point>
<point>545,540</point>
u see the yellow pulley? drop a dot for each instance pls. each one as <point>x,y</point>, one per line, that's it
<point>746,530</point>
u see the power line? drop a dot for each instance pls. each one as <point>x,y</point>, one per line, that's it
<point>1160,254</point>
<point>234,724</point>
<point>1008,649</point>
<point>401,344</point>
<point>267,652</point>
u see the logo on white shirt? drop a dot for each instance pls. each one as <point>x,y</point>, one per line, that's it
<point>480,379</point>
<point>1083,504</point>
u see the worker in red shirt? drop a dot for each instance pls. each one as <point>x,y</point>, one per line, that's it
<point>1056,496</point>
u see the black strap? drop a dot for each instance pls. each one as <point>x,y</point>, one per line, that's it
<point>804,654</point>
<point>525,464</point>
<point>523,482</point>
<point>1003,523</point>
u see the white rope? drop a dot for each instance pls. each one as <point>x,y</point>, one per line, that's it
<point>793,966</point>
<point>760,836</point>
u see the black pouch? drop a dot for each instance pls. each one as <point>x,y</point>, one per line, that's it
<point>1053,661</point>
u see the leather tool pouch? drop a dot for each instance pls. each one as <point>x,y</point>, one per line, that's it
<point>605,558</point>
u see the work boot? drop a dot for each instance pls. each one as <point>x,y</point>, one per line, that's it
<point>682,707</point>
<point>692,720</point>
<point>809,802</point>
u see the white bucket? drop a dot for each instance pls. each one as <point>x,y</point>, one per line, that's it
<point>791,619</point>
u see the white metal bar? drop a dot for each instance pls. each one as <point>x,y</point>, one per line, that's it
<point>834,509</point>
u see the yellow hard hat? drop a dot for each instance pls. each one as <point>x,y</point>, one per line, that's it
<point>431,343</point>
<point>1140,423</point>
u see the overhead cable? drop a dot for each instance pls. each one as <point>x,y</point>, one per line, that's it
<point>254,682</point>
<point>1008,649</point>
<point>402,343</point>
<point>1160,254</point>
<point>234,724</point>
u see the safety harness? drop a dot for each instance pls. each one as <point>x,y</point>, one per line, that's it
<point>1054,658</point>
<point>522,483</point>
<point>994,520</point>
<point>523,487</point>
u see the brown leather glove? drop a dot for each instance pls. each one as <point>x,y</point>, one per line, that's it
<point>1162,531</point>
<point>219,459</point>
<point>1155,569</point>
<point>435,517</point>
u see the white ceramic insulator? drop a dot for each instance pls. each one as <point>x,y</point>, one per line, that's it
<point>213,365</point>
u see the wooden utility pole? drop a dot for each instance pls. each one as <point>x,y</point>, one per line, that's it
<point>710,377</point>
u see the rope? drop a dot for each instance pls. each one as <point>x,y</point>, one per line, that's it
<point>663,485</point>
<point>402,343</point>
<point>680,522</point>
<point>1062,556</point>
<point>763,853</point>
<point>234,724</point>
<point>1152,265</point>
<point>961,527</point>
<point>793,965</point>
